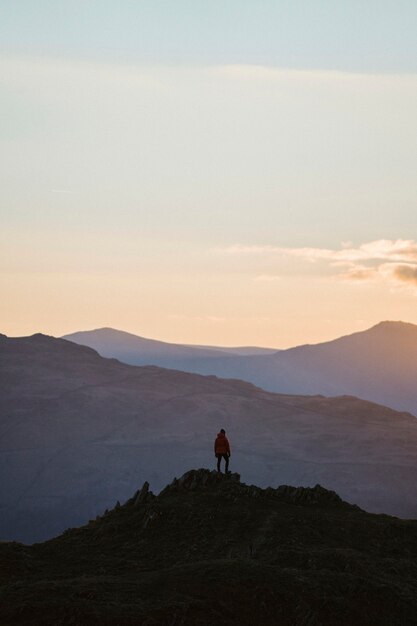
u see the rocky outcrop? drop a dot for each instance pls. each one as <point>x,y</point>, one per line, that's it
<point>310,495</point>
<point>142,494</point>
<point>212,550</point>
<point>202,478</point>
<point>195,479</point>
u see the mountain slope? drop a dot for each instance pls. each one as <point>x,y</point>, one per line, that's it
<point>379,364</point>
<point>136,350</point>
<point>211,550</point>
<point>78,431</point>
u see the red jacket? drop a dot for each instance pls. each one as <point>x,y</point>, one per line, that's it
<point>221,445</point>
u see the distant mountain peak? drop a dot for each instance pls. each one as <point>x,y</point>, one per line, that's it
<point>393,325</point>
<point>139,350</point>
<point>41,336</point>
<point>104,330</point>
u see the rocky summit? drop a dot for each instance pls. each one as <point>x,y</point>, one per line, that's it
<point>212,550</point>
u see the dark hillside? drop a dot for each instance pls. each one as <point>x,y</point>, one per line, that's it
<point>211,550</point>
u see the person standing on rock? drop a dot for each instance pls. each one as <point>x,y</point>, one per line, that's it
<point>222,450</point>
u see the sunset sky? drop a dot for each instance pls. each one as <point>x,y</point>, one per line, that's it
<point>224,172</point>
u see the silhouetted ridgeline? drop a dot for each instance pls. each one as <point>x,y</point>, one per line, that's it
<point>212,550</point>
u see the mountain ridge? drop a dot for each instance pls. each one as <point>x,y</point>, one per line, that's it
<point>211,549</point>
<point>112,342</point>
<point>77,429</point>
<point>378,364</point>
<point>379,326</point>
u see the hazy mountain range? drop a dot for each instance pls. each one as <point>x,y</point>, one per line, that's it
<point>79,431</point>
<point>379,364</point>
<point>136,350</point>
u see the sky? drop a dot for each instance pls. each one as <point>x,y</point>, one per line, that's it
<point>223,172</point>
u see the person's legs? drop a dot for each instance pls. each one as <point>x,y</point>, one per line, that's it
<point>219,458</point>
<point>226,458</point>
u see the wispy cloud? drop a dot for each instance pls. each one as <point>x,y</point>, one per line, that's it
<point>382,259</point>
<point>406,273</point>
<point>383,249</point>
<point>360,273</point>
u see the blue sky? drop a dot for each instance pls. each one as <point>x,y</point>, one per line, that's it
<point>349,35</point>
<point>196,171</point>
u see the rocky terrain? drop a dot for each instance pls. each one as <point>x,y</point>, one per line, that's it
<point>212,550</point>
<point>78,432</point>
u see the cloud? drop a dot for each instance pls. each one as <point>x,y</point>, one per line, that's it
<point>406,273</point>
<point>392,260</point>
<point>360,274</point>
<point>381,249</point>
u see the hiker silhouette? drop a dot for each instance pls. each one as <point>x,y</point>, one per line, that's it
<point>222,450</point>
